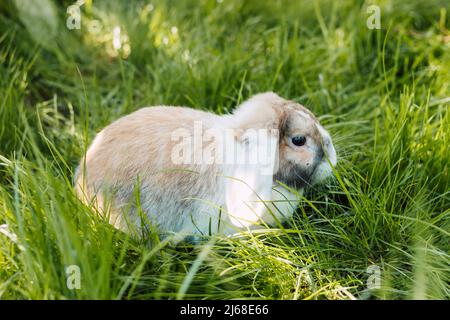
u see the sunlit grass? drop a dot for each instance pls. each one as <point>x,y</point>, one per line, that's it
<point>383,94</point>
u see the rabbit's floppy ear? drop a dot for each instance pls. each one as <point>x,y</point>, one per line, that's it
<point>249,179</point>
<point>248,182</point>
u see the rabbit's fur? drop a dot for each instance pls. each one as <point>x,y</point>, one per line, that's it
<point>129,172</point>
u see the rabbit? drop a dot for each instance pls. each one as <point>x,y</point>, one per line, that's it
<point>188,172</point>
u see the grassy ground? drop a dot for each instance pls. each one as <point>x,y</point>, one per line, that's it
<point>383,94</point>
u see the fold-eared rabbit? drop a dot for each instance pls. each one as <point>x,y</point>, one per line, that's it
<point>191,172</point>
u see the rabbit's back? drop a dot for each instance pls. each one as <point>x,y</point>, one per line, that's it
<point>131,160</point>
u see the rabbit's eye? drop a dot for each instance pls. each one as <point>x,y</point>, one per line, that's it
<point>299,140</point>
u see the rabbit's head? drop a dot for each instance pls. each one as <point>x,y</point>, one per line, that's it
<point>305,153</point>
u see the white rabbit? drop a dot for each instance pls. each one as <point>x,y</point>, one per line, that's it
<point>190,172</point>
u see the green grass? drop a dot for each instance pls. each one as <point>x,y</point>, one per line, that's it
<point>383,94</point>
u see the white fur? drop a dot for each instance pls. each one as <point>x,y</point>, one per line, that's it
<point>189,199</point>
<point>324,169</point>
